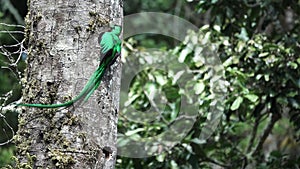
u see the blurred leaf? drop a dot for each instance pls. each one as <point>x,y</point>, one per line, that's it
<point>161,157</point>
<point>263,54</point>
<point>236,104</point>
<point>184,53</point>
<point>122,142</point>
<point>174,165</point>
<point>198,141</point>
<point>131,132</point>
<point>243,34</point>
<point>199,87</point>
<point>252,97</point>
<point>293,65</point>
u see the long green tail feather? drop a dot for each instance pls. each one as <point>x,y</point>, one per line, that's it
<point>100,73</point>
<point>66,104</point>
<point>86,92</point>
<point>110,44</point>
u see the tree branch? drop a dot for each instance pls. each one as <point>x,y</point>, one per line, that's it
<point>274,118</point>
<point>254,132</point>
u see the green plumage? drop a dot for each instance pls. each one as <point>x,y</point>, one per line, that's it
<point>110,48</point>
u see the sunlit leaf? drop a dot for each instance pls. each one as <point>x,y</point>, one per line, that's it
<point>183,54</point>
<point>243,34</point>
<point>198,141</point>
<point>252,97</point>
<point>131,132</point>
<point>263,54</point>
<point>236,104</point>
<point>199,87</point>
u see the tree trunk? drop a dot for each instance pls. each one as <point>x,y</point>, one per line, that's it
<point>63,47</point>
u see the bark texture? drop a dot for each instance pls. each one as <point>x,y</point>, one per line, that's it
<point>62,37</point>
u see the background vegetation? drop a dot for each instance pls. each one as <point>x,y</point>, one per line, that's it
<point>258,44</point>
<point>11,13</point>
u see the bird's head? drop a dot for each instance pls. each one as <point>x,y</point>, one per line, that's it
<point>116,29</point>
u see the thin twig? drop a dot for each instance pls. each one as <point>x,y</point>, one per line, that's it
<point>10,25</point>
<point>19,32</point>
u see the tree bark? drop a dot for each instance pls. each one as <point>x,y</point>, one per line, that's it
<point>63,47</point>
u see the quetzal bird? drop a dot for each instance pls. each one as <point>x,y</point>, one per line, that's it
<point>110,44</point>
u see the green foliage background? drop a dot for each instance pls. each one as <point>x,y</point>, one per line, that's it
<point>258,44</point>
<point>12,13</point>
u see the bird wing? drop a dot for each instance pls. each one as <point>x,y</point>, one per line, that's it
<point>106,43</point>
